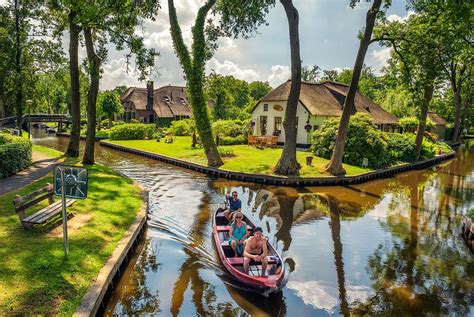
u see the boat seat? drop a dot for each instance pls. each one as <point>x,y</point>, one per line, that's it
<point>240,261</point>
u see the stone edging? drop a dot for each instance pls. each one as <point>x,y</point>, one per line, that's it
<point>67,135</point>
<point>92,300</point>
<point>287,181</point>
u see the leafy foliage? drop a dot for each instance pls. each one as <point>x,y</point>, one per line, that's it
<point>231,132</point>
<point>108,104</point>
<point>15,154</point>
<point>132,131</point>
<point>400,147</point>
<point>364,140</point>
<point>184,127</point>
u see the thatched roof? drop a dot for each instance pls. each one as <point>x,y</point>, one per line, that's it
<point>168,101</point>
<point>436,119</point>
<point>327,99</point>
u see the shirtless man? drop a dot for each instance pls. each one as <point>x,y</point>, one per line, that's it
<point>256,249</point>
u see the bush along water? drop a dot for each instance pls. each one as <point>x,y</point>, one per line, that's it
<point>365,140</point>
<point>15,154</point>
<point>132,131</point>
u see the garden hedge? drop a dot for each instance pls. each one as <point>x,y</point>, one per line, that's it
<point>132,131</point>
<point>15,154</point>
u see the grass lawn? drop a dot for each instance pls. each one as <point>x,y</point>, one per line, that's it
<point>34,276</point>
<point>247,159</point>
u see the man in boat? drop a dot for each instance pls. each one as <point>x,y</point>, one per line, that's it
<point>233,205</point>
<point>238,234</point>
<point>256,250</point>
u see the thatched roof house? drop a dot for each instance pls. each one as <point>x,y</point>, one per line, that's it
<point>317,103</point>
<point>150,105</point>
<point>440,125</point>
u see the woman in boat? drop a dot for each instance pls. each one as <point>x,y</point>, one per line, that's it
<point>238,234</point>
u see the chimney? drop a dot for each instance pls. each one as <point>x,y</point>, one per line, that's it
<point>149,99</point>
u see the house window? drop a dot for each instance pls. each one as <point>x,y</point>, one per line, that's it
<point>265,107</point>
<point>142,119</point>
<point>277,124</point>
<point>315,127</point>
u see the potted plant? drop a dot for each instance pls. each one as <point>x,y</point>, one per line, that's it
<point>307,126</point>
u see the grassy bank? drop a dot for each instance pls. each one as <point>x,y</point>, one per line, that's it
<point>245,158</point>
<point>34,276</point>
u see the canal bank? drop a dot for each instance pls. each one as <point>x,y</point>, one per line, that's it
<point>357,249</point>
<point>293,181</point>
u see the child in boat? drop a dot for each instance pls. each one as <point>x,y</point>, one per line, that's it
<point>233,205</point>
<point>238,234</point>
<point>256,249</point>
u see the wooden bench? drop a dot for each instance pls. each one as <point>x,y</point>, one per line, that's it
<point>21,203</point>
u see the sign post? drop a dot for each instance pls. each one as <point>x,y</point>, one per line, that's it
<point>69,182</point>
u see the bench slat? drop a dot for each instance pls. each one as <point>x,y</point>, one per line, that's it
<point>240,261</point>
<point>45,210</point>
<point>47,213</point>
<point>20,200</point>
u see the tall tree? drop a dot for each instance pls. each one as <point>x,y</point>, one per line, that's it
<point>94,71</point>
<point>237,18</point>
<point>74,30</point>
<point>114,22</point>
<point>335,164</point>
<point>287,164</point>
<point>419,57</point>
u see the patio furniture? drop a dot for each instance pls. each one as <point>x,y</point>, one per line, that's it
<point>252,139</point>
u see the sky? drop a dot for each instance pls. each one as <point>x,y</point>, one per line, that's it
<point>328,38</point>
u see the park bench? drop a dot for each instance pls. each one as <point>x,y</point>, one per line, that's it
<point>42,216</point>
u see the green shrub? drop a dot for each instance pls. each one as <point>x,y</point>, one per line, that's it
<point>364,140</point>
<point>132,131</point>
<point>228,140</point>
<point>471,213</point>
<point>15,154</point>
<point>226,152</point>
<point>410,124</point>
<point>231,132</point>
<point>182,127</point>
<point>400,147</point>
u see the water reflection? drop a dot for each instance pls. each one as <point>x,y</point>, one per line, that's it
<point>386,247</point>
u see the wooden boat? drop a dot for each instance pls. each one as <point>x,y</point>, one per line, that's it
<point>273,281</point>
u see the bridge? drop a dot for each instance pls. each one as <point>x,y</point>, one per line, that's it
<point>10,122</point>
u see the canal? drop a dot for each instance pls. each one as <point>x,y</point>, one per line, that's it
<point>385,247</point>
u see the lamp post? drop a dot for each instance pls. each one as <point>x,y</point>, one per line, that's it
<point>28,104</point>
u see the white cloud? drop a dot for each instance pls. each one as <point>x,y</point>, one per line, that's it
<point>396,17</point>
<point>230,68</point>
<point>381,56</point>
<point>280,74</point>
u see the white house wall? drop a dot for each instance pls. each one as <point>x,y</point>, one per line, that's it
<point>301,113</point>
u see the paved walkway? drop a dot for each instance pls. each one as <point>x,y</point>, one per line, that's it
<point>42,165</point>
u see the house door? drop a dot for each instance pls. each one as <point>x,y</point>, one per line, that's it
<point>263,125</point>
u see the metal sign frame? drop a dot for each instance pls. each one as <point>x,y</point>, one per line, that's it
<point>77,180</point>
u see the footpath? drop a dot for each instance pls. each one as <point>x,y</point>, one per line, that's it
<point>42,165</point>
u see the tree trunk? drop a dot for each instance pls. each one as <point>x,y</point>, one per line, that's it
<point>94,72</point>
<point>19,78</point>
<point>194,71</point>
<point>74,30</point>
<point>467,103</point>
<point>288,165</point>
<point>457,114</point>
<point>2,99</point>
<point>111,118</point>
<point>335,165</point>
<point>427,95</point>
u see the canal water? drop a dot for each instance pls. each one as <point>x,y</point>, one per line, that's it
<point>388,247</point>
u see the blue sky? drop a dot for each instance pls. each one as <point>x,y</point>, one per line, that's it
<point>328,37</point>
